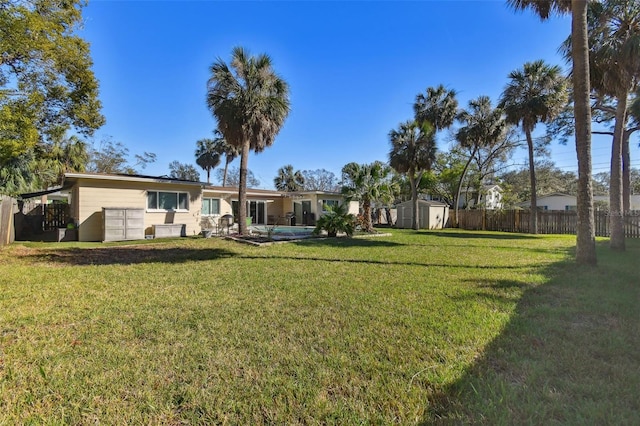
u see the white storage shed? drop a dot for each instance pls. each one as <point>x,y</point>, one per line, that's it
<point>432,214</point>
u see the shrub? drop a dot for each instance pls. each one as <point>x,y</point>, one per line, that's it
<point>336,219</point>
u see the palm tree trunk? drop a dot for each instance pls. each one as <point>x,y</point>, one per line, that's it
<point>626,174</point>
<point>585,240</point>
<point>533,217</point>
<point>208,176</point>
<point>366,213</point>
<point>616,218</point>
<point>224,176</point>
<point>456,200</point>
<point>415,220</point>
<point>242,189</point>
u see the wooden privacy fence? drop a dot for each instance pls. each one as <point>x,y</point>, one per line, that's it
<point>549,222</point>
<point>36,221</point>
<point>7,207</point>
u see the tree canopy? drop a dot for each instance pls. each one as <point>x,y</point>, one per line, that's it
<point>208,155</point>
<point>183,171</point>
<point>113,157</point>
<point>288,179</point>
<point>320,180</point>
<point>47,87</point>
<point>233,177</point>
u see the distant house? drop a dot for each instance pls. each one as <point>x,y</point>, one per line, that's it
<point>432,214</point>
<point>553,202</point>
<point>162,206</point>
<point>489,198</point>
<point>634,200</point>
<point>565,202</point>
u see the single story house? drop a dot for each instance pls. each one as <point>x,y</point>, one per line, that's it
<point>108,206</point>
<point>432,214</point>
<point>565,202</point>
<point>554,202</point>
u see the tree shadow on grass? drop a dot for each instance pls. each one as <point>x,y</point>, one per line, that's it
<point>472,235</point>
<point>501,291</point>
<point>568,354</point>
<point>128,255</point>
<point>383,262</point>
<point>341,242</point>
<point>521,248</point>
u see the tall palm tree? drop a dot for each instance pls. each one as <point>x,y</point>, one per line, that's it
<point>536,93</point>
<point>586,235</point>
<point>438,107</point>
<point>229,151</point>
<point>614,39</point>
<point>289,180</point>
<point>207,156</point>
<point>368,183</point>
<point>250,102</point>
<point>483,126</point>
<point>413,150</point>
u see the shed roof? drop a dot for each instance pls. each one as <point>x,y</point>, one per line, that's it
<point>425,203</point>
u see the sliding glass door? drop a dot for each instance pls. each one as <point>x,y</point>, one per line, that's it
<point>256,210</point>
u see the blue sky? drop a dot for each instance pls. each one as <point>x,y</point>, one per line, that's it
<point>354,69</point>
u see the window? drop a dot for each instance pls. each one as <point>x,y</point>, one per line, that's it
<point>210,206</point>
<point>167,201</point>
<point>331,203</point>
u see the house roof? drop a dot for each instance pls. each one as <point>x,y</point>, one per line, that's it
<point>557,194</point>
<point>250,191</point>
<point>129,178</point>
<point>41,193</point>
<point>315,193</point>
<point>266,192</point>
<point>72,177</point>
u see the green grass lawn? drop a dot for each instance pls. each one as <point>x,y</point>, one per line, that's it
<point>416,327</point>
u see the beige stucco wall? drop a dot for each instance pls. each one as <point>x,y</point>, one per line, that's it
<point>225,200</point>
<point>277,210</point>
<point>354,207</point>
<point>91,195</point>
<point>277,205</point>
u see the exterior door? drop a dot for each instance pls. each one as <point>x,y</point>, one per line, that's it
<point>256,210</point>
<point>306,213</point>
